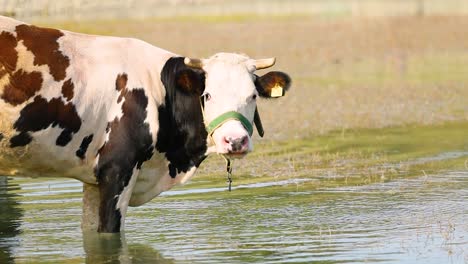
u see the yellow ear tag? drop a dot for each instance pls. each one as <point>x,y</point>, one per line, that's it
<point>276,91</point>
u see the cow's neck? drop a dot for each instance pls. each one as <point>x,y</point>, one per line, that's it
<point>182,133</point>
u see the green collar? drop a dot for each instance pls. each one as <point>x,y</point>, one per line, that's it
<point>231,115</point>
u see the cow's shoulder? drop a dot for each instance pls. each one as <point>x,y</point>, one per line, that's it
<point>182,134</point>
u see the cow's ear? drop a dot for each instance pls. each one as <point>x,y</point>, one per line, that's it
<point>273,84</point>
<point>191,82</point>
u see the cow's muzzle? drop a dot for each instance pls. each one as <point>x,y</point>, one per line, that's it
<point>234,145</point>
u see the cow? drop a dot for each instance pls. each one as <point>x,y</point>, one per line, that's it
<point>126,118</point>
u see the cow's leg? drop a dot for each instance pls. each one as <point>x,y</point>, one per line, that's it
<point>106,248</point>
<point>91,202</point>
<point>115,189</point>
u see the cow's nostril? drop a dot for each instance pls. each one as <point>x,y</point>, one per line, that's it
<point>239,144</point>
<point>245,140</point>
<point>236,145</point>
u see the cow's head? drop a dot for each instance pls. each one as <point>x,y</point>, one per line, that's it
<point>229,98</point>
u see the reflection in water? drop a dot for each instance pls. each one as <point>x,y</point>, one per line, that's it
<point>10,215</point>
<point>113,248</point>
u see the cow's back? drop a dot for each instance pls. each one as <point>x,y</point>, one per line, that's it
<point>59,93</point>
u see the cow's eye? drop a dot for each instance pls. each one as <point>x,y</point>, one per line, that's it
<point>206,97</point>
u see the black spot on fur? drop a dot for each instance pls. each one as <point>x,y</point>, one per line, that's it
<point>130,144</point>
<point>64,138</point>
<point>81,152</point>
<point>182,134</point>
<point>20,140</point>
<point>1,136</point>
<point>40,114</point>
<point>172,170</point>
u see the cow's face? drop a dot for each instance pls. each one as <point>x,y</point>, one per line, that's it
<point>229,98</point>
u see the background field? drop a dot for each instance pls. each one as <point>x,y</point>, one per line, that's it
<point>355,64</point>
<point>348,73</point>
<point>88,9</point>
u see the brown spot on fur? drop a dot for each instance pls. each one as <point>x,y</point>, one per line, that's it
<point>121,82</point>
<point>22,86</point>
<point>40,114</point>
<point>67,89</point>
<point>3,72</point>
<point>43,43</point>
<point>8,54</point>
<point>121,85</point>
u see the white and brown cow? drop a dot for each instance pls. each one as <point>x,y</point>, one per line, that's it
<point>124,117</point>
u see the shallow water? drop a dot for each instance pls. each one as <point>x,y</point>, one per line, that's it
<point>396,195</point>
<point>419,219</point>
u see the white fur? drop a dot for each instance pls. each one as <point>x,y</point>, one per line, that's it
<point>155,179</point>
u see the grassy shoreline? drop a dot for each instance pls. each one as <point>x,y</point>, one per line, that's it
<point>354,151</point>
<point>337,159</point>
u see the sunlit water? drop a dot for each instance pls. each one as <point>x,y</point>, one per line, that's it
<point>420,219</point>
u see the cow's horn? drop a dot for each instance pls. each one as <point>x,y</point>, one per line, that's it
<point>193,63</point>
<point>264,63</point>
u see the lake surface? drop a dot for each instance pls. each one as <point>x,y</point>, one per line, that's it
<point>396,195</point>
<point>419,219</point>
